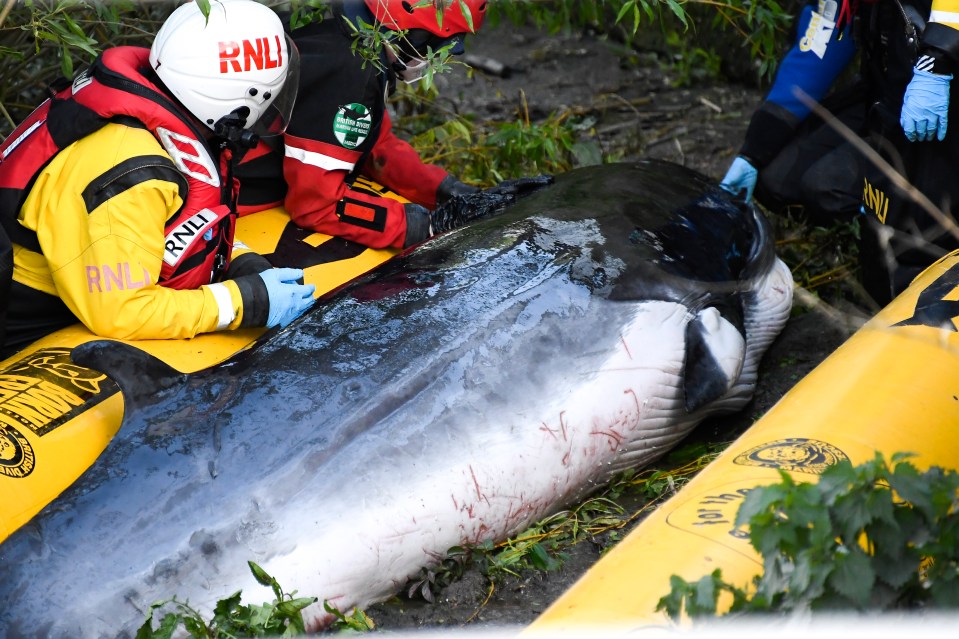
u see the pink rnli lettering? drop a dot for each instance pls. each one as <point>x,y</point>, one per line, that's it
<point>261,53</point>
<point>108,278</point>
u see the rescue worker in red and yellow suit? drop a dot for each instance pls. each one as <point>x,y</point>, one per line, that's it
<point>118,197</point>
<point>340,129</point>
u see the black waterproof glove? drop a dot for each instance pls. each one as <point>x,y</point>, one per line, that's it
<point>521,187</point>
<point>459,210</point>
<point>418,221</point>
<point>450,187</point>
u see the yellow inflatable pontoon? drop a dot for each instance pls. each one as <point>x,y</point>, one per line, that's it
<point>892,387</point>
<point>56,417</point>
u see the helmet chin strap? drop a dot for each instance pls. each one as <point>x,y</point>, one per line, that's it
<point>409,71</point>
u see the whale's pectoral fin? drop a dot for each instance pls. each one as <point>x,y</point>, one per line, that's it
<point>140,376</point>
<point>715,351</point>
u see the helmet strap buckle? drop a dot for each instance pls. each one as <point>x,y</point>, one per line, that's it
<point>230,128</point>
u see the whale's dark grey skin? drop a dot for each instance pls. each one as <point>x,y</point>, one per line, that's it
<point>454,395</point>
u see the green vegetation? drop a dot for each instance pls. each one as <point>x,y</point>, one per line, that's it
<point>42,41</point>
<point>879,536</point>
<point>281,617</point>
<point>823,258</point>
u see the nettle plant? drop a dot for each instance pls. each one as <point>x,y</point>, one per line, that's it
<point>872,537</point>
<point>281,617</point>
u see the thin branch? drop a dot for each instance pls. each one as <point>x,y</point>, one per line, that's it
<point>888,171</point>
<point>7,8</point>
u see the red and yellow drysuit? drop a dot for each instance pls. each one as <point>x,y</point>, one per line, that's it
<point>340,129</point>
<point>128,221</point>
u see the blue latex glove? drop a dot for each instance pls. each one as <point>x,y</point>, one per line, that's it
<point>925,107</point>
<point>741,175</point>
<point>287,298</point>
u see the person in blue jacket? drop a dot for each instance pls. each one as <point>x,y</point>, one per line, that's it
<point>899,102</point>
<point>789,158</point>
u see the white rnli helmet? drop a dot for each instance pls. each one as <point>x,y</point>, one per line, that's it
<point>239,61</point>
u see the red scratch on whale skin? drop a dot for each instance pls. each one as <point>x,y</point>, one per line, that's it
<point>630,391</point>
<point>615,438</point>
<point>479,492</point>
<point>480,535</point>
<point>545,427</point>
<point>435,556</point>
<point>563,428</point>
<point>509,512</point>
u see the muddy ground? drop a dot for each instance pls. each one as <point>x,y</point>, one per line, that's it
<point>635,111</point>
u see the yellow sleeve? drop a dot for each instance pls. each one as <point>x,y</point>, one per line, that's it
<point>104,249</point>
<point>945,12</point>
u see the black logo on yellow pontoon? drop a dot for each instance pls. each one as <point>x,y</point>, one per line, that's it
<point>932,307</point>
<point>45,389</point>
<point>16,454</point>
<point>796,454</point>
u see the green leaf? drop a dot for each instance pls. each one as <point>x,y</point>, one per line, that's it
<point>168,624</point>
<point>66,63</point>
<point>912,486</point>
<point>759,500</point>
<point>260,616</point>
<point>897,571</point>
<point>678,11</point>
<point>945,590</point>
<point>195,626</point>
<point>292,607</point>
<point>204,6</point>
<point>73,26</point>
<point>468,15</point>
<point>539,557</point>
<point>853,576</point>
<point>705,596</point>
<point>672,603</point>
<point>851,514</point>
<point>225,607</point>
<point>260,575</point>
<point>627,6</point>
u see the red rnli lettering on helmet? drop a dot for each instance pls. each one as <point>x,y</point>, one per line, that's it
<point>261,53</point>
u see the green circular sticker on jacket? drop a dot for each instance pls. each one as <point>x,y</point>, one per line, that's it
<point>352,124</point>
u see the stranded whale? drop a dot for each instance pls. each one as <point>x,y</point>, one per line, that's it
<point>454,395</point>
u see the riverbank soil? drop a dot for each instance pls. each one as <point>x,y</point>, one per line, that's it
<point>633,109</point>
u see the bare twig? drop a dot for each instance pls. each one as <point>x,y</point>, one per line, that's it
<point>522,96</point>
<point>836,317</point>
<point>715,107</point>
<point>7,8</point>
<point>870,154</point>
<point>489,595</point>
<point>487,65</point>
<point>672,135</point>
<point>630,103</point>
<point>6,114</point>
